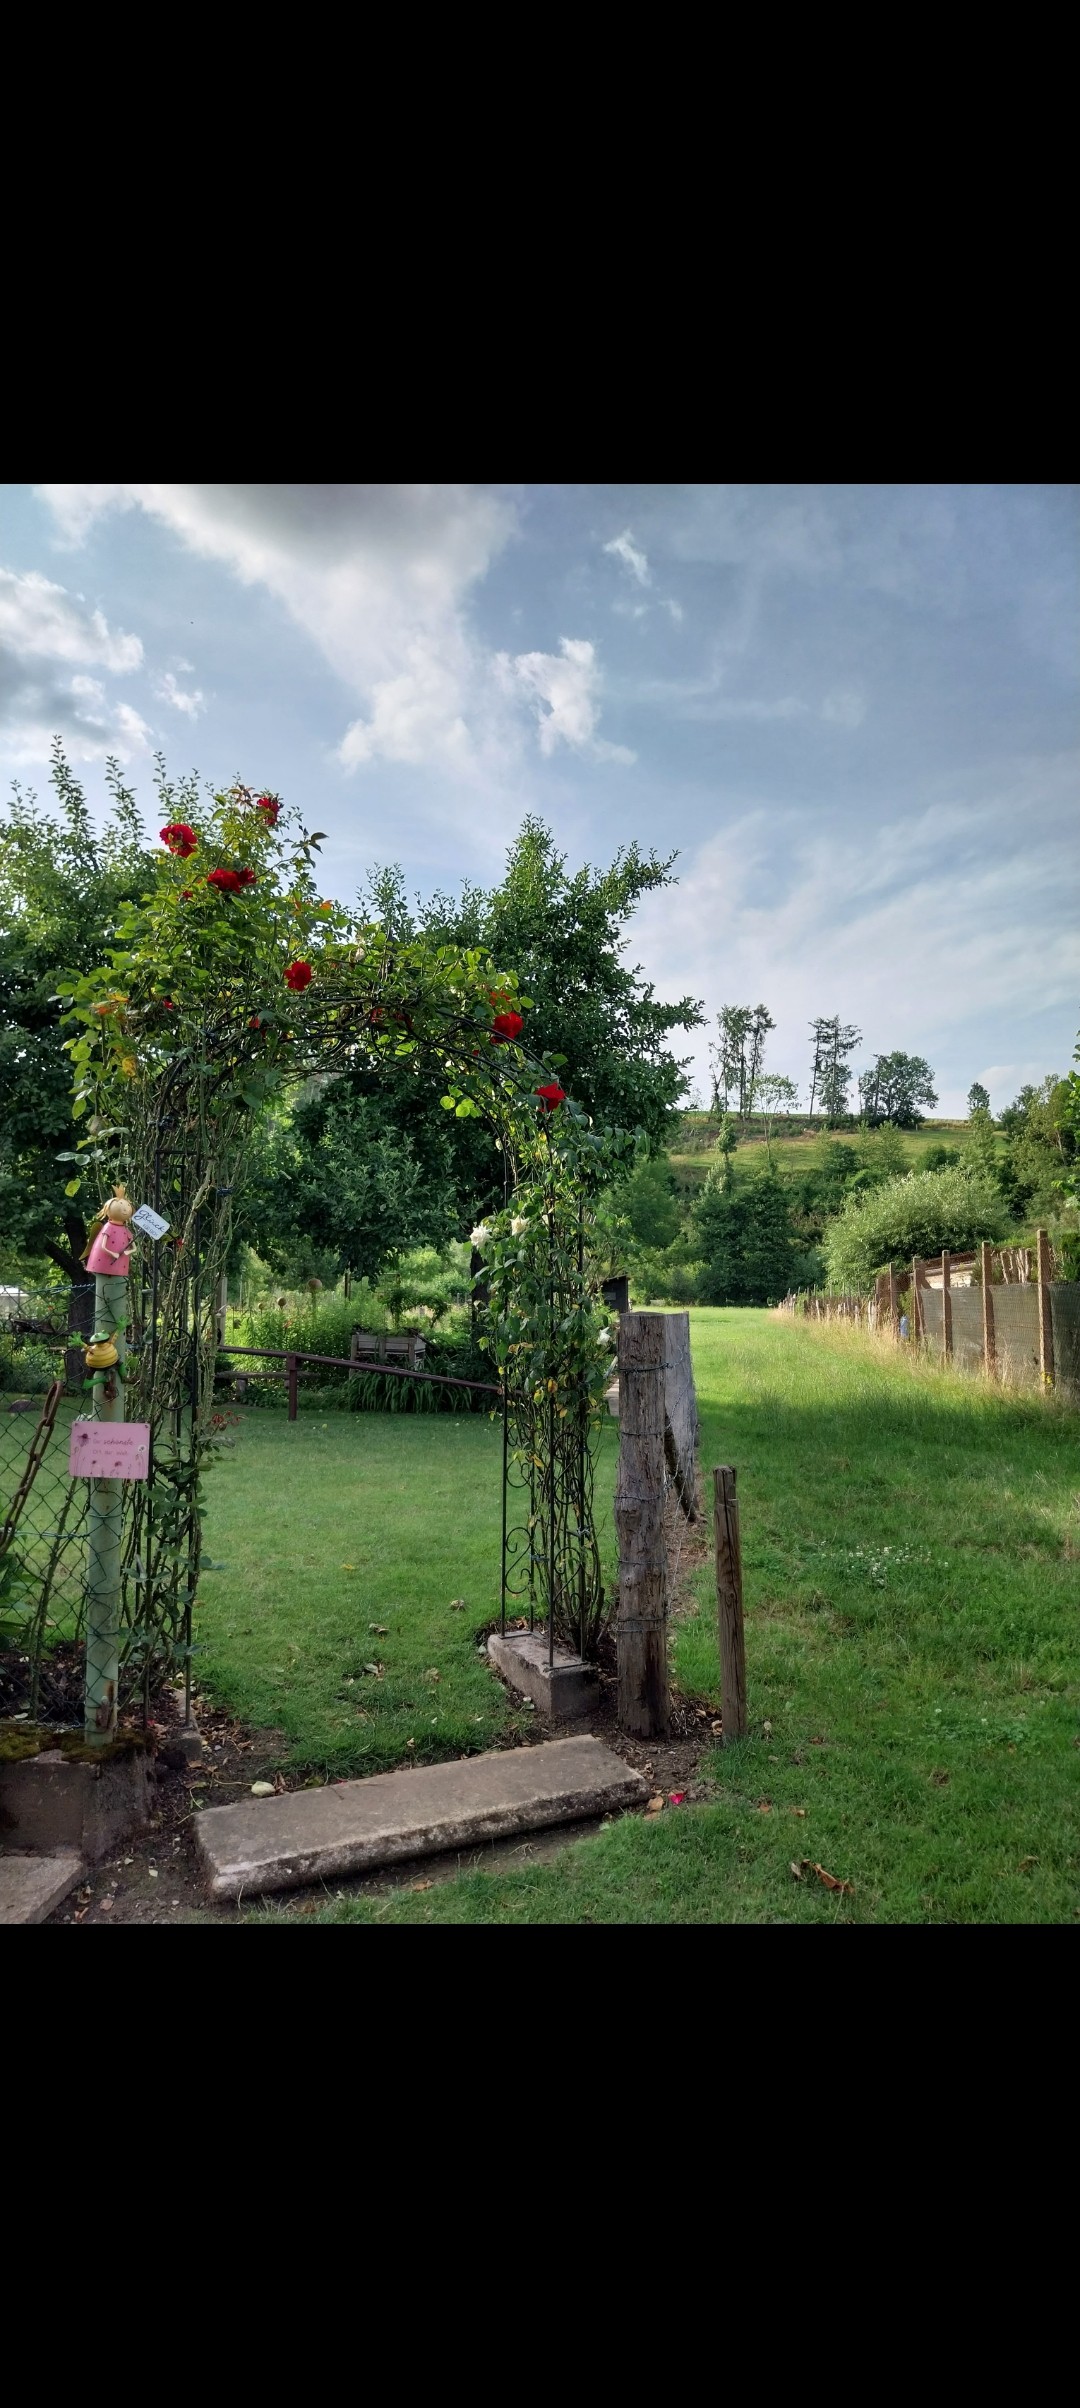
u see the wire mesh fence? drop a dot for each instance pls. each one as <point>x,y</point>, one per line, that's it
<point>43,1539</point>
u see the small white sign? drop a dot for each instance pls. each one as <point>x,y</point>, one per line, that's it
<point>150,1222</point>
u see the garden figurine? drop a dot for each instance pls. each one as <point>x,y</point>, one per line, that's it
<point>110,1237</point>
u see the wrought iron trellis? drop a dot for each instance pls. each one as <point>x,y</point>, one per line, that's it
<point>550,1557</point>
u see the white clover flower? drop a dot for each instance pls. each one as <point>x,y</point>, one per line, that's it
<point>479,1236</point>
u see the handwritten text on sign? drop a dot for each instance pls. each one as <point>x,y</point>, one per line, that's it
<point>109,1450</point>
<point>149,1221</point>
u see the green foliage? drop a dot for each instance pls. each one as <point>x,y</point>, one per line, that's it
<point>747,1240</point>
<point>648,1200</point>
<point>1041,1149</point>
<point>25,1368</point>
<point>919,1214</point>
<point>62,885</point>
<point>978,1099</point>
<point>895,1087</point>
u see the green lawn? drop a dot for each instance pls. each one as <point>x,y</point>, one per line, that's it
<point>911,1541</point>
<point>333,1523</point>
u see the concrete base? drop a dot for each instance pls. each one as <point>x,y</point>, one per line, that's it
<point>30,1886</point>
<point>50,1805</point>
<point>318,1834</point>
<point>563,1690</point>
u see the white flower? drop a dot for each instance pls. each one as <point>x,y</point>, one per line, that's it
<point>604,1338</point>
<point>518,1224</point>
<point>479,1236</point>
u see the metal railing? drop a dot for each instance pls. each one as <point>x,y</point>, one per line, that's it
<point>292,1357</point>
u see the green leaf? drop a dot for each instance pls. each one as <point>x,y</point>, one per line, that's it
<point>73,1187</point>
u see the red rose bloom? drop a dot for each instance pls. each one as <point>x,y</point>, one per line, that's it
<point>186,895</point>
<point>230,882</point>
<point>508,1026</point>
<point>551,1097</point>
<point>180,839</point>
<point>269,805</point>
<point>246,877</point>
<point>298,976</point>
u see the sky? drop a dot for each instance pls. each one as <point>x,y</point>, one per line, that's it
<point>850,710</point>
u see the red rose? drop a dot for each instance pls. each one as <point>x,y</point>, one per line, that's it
<point>298,976</point>
<point>230,882</point>
<point>551,1097</point>
<point>508,1026</point>
<point>180,839</point>
<point>269,805</point>
<point>186,895</point>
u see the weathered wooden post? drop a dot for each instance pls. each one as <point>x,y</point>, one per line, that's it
<point>641,1629</point>
<point>729,1604</point>
<point>894,1301</point>
<point>986,1258</point>
<point>916,1314</point>
<point>1046,1323</point>
<point>946,1305</point>
<point>291,1376</point>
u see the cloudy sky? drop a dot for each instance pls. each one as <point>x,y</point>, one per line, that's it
<point>852,709</point>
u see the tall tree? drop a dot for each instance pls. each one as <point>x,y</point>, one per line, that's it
<point>746,1238</point>
<point>895,1087</point>
<point>61,886</point>
<point>833,1044</point>
<point>739,1055</point>
<point>775,1094</point>
<point>978,1099</point>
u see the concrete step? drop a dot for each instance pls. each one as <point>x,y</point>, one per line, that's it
<point>564,1690</point>
<point>319,1834</point>
<point>30,1886</point>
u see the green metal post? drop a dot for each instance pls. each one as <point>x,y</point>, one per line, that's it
<point>105,1519</point>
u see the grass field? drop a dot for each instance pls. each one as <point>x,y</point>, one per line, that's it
<point>794,1154</point>
<point>911,1543</point>
<point>325,1527</point>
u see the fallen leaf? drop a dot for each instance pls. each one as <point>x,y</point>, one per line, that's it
<point>262,1789</point>
<point>348,1567</point>
<point>797,1870</point>
<point>718,1727</point>
<point>798,1810</point>
<point>767,1730</point>
<point>457,1605</point>
<point>279,1784</point>
<point>655,1806</point>
<point>831,1880</point>
<point>379,1630</point>
<point>421,1885</point>
<point>764,1805</point>
<point>375,1671</point>
<point>107,1905</point>
<point>1025,1861</point>
<point>817,1743</point>
<point>432,1674</point>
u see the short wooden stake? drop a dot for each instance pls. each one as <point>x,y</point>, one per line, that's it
<point>729,1604</point>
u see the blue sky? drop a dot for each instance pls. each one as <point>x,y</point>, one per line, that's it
<point>852,709</point>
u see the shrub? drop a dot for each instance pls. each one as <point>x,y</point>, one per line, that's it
<point>917,1215</point>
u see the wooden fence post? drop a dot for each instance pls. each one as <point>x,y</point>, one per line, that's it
<point>641,1629</point>
<point>1046,1324</point>
<point>291,1376</point>
<point>894,1301</point>
<point>729,1605</point>
<point>916,1317</point>
<point>946,1305</point>
<point>986,1256</point>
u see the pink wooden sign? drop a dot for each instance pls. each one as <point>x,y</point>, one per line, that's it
<point>109,1450</point>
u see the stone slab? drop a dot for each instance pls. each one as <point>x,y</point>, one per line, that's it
<point>30,1886</point>
<point>563,1690</point>
<point>308,1835</point>
<point>49,1805</point>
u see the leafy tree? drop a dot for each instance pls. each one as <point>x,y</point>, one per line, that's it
<point>747,1240</point>
<point>897,1084</point>
<point>648,1201</point>
<point>775,1094</point>
<point>1040,1148</point>
<point>830,1080</point>
<point>916,1215</point>
<point>978,1099</point>
<point>62,883</point>
<point>738,1059</point>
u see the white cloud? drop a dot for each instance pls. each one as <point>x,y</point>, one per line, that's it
<point>632,557</point>
<point>167,690</point>
<point>44,632</point>
<point>563,688</point>
<point>40,620</point>
<point>379,576</point>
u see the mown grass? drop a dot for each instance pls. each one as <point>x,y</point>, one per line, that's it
<point>911,1547</point>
